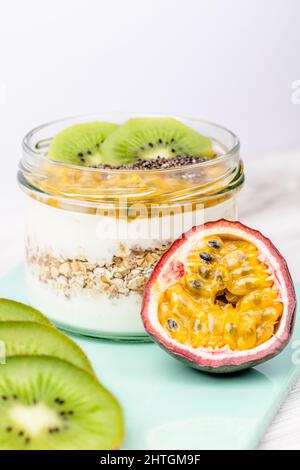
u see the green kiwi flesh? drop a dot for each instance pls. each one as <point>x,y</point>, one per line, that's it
<point>81,144</point>
<point>28,338</point>
<point>16,311</point>
<point>49,404</point>
<point>150,138</point>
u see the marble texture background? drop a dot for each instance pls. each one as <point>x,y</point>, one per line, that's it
<point>270,202</point>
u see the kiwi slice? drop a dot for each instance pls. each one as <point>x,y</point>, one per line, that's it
<point>81,144</point>
<point>16,311</point>
<point>49,404</point>
<point>150,138</point>
<point>28,338</point>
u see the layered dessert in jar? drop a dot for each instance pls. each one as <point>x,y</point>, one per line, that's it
<point>106,196</point>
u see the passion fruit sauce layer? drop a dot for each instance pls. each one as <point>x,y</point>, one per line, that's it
<point>91,153</point>
<point>226,299</point>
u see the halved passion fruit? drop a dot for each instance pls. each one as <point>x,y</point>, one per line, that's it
<point>221,298</point>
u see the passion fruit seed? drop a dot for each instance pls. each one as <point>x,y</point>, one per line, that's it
<point>196,284</point>
<point>231,298</point>
<point>172,325</point>
<point>257,300</point>
<point>231,328</point>
<point>246,272</point>
<point>221,298</point>
<point>205,256</point>
<point>206,273</point>
<point>196,326</point>
<point>214,244</point>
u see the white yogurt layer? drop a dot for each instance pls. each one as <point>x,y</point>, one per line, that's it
<point>101,316</point>
<point>71,235</point>
<point>74,235</point>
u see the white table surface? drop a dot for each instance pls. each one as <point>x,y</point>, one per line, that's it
<point>270,202</point>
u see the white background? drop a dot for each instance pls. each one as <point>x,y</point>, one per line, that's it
<point>229,61</point>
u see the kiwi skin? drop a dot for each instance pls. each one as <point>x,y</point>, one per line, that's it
<point>11,310</point>
<point>150,138</point>
<point>81,144</point>
<point>88,416</point>
<point>29,338</point>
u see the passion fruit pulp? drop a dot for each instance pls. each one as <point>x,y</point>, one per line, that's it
<point>221,298</point>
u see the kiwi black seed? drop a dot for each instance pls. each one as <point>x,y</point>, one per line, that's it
<point>152,138</point>
<point>93,418</point>
<point>81,144</point>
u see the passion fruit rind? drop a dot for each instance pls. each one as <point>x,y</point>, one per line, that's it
<point>226,369</point>
<point>171,268</point>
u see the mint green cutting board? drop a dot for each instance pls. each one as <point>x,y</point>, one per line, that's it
<point>168,405</point>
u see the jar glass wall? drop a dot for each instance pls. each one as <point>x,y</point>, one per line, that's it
<point>93,236</point>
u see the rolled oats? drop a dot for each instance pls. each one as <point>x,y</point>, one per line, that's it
<point>65,269</point>
<point>126,274</point>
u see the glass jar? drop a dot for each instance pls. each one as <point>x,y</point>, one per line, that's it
<point>94,235</point>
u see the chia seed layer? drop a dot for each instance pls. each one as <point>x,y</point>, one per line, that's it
<point>158,163</point>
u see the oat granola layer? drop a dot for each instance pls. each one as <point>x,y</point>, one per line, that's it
<point>126,274</point>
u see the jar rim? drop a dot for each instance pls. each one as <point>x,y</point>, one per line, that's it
<point>30,149</point>
<point>199,181</point>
